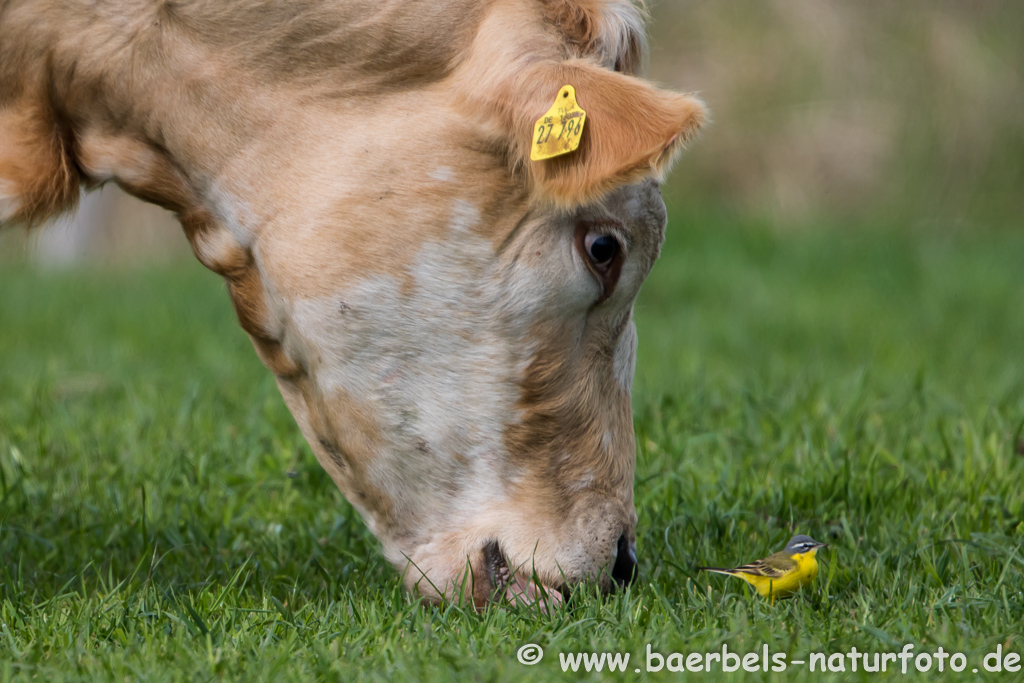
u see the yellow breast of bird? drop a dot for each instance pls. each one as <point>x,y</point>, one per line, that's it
<point>803,573</point>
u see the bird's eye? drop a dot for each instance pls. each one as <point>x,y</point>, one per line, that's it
<point>601,249</point>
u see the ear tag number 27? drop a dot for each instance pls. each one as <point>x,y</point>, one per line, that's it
<point>560,130</point>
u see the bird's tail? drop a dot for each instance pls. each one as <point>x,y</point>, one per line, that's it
<point>717,570</point>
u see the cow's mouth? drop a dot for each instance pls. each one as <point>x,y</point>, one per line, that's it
<point>516,585</point>
<point>497,567</point>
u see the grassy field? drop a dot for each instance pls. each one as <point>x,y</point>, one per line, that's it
<point>162,519</point>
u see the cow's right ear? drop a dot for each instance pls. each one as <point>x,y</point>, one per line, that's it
<point>633,130</point>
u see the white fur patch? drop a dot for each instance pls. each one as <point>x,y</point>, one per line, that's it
<point>442,174</point>
<point>621,22</point>
<point>625,357</point>
<point>234,214</point>
<point>416,348</point>
<point>465,217</point>
<point>9,202</point>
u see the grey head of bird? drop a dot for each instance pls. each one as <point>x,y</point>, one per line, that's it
<point>802,544</point>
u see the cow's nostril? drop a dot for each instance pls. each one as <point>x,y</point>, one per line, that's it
<point>624,570</point>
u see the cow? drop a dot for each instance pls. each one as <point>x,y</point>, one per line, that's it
<point>448,317</point>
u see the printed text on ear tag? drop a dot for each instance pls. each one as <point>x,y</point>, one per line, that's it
<point>560,130</point>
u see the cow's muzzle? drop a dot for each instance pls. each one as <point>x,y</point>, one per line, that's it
<point>517,585</point>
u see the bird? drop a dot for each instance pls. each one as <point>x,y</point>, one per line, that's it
<point>782,574</point>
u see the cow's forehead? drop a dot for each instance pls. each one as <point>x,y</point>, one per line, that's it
<point>353,211</point>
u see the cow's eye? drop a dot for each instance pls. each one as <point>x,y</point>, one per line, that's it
<point>602,252</point>
<point>602,249</point>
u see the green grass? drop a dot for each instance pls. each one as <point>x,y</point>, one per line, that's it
<point>162,519</point>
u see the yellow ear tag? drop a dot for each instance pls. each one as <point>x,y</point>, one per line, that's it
<point>560,130</point>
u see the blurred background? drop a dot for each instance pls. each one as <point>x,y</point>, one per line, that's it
<point>904,112</point>
<point>831,342</point>
<point>905,115</point>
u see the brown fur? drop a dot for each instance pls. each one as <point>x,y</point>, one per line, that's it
<point>565,418</point>
<point>568,408</point>
<point>36,160</point>
<point>632,131</point>
<point>359,174</point>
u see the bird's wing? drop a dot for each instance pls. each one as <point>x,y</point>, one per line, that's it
<point>766,567</point>
<point>757,568</point>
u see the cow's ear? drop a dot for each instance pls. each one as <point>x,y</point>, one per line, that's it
<point>632,131</point>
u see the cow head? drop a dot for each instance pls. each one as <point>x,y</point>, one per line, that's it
<point>448,321</point>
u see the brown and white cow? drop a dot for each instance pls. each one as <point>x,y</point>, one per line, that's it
<point>448,321</point>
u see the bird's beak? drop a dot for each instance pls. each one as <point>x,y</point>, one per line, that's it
<point>822,545</point>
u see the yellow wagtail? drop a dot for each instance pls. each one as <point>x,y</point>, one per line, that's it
<point>782,574</point>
